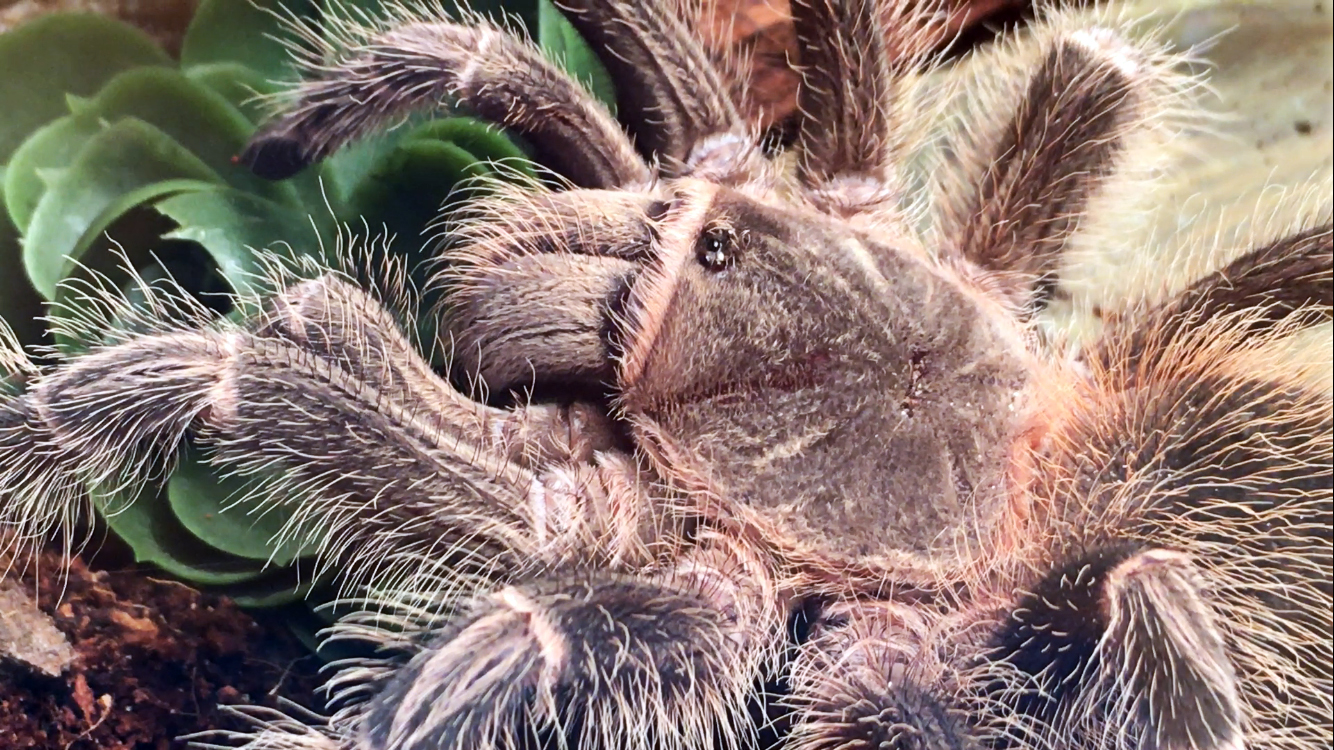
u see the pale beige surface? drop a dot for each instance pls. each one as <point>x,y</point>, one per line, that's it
<point>1269,73</point>
<point>1253,155</point>
<point>1259,164</point>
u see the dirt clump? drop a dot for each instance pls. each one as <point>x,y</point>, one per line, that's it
<point>152,660</point>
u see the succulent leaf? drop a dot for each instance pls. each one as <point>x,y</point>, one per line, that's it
<point>241,85</point>
<point>62,54</point>
<point>249,32</point>
<point>233,227</point>
<point>218,512</point>
<point>156,537</point>
<point>52,147</point>
<point>126,164</point>
<point>196,116</point>
<point>121,158</point>
<point>562,44</point>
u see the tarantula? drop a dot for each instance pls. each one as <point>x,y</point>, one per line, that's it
<point>824,484</point>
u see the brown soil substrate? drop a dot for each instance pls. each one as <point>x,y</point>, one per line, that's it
<point>154,660</point>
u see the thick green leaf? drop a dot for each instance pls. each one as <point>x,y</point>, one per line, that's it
<point>481,139</point>
<point>347,172</point>
<point>76,104</point>
<point>216,510</point>
<point>197,117</point>
<point>343,173</point>
<point>123,166</point>
<point>563,45</point>
<point>232,226</point>
<point>156,537</point>
<point>166,146</point>
<point>241,85</point>
<point>410,184</point>
<point>281,587</point>
<point>55,55</point>
<point>407,193</point>
<point>250,32</point>
<point>51,148</point>
<point>19,304</point>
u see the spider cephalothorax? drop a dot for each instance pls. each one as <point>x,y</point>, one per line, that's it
<point>841,494</point>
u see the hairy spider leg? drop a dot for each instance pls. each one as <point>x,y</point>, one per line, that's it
<point>669,94</point>
<point>1192,493</point>
<point>590,658</point>
<point>327,406</point>
<point>384,75</point>
<point>853,56</point>
<point>1282,283</point>
<point>1021,187</point>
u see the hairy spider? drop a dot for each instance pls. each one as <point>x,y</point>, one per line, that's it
<point>841,494</point>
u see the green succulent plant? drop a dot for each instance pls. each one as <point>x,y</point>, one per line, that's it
<point>113,151</point>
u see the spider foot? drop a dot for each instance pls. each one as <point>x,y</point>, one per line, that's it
<point>590,660</point>
<point>1125,641</point>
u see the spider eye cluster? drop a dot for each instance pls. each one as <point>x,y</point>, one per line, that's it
<point>716,249</point>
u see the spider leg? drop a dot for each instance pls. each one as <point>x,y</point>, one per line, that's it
<point>589,659</point>
<point>1273,284</point>
<point>1123,641</point>
<point>1022,188</point>
<point>336,320</point>
<point>1185,462</point>
<point>394,72</point>
<point>37,496</point>
<point>865,684</point>
<point>344,425</point>
<point>536,281</point>
<point>852,51</point>
<point>668,92</point>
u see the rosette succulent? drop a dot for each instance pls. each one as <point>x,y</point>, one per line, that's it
<point>119,168</point>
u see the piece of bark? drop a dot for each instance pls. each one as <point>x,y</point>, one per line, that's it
<point>29,637</point>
